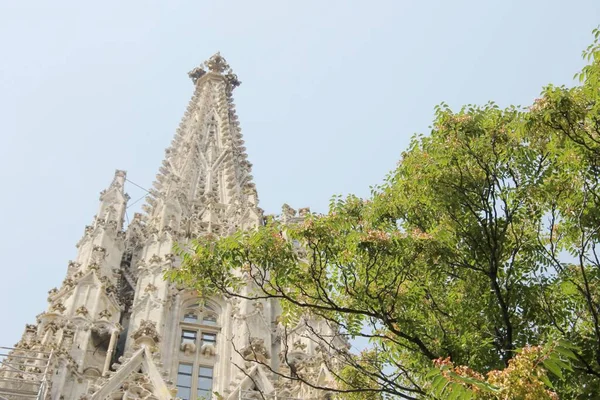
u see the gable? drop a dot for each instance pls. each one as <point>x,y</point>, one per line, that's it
<point>255,380</point>
<point>139,376</point>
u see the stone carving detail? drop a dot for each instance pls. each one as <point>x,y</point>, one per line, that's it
<point>73,266</point>
<point>58,307</point>
<point>256,350</point>
<point>82,311</point>
<point>218,65</point>
<point>147,329</point>
<point>98,255</point>
<point>303,212</point>
<point>68,283</point>
<point>155,259</point>
<point>196,74</point>
<point>288,211</point>
<point>105,314</point>
<point>188,348</point>
<point>51,293</point>
<point>208,350</point>
<point>51,326</point>
<point>150,288</point>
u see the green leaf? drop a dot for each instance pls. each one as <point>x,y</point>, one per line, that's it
<point>456,390</point>
<point>561,364</point>
<point>433,372</point>
<point>566,352</point>
<point>552,367</point>
<point>547,381</point>
<point>438,384</point>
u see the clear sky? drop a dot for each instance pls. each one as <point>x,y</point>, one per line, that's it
<point>332,92</point>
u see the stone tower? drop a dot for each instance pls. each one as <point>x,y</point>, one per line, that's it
<point>116,329</point>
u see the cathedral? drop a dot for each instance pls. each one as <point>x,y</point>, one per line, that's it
<point>115,329</point>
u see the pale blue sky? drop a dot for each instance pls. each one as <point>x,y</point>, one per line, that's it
<point>332,91</point>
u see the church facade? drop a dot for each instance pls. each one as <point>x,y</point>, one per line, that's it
<point>115,329</point>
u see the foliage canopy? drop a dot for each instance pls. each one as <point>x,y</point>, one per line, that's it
<point>473,270</point>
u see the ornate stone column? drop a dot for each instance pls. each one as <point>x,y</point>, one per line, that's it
<point>111,348</point>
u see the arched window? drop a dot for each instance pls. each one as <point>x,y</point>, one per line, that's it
<point>199,334</point>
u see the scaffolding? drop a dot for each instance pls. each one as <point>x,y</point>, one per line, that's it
<point>24,373</point>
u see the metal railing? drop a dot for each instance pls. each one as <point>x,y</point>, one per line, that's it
<point>24,373</point>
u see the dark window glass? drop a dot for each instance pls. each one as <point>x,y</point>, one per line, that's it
<point>184,392</point>
<point>190,317</point>
<point>205,383</point>
<point>209,338</point>
<point>188,336</point>
<point>185,368</point>
<point>191,335</point>
<point>209,320</point>
<point>184,381</point>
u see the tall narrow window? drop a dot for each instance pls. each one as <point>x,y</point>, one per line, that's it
<point>197,351</point>
<point>205,380</point>
<point>184,381</point>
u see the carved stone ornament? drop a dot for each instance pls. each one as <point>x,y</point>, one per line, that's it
<point>150,288</point>
<point>288,211</point>
<point>188,348</point>
<point>155,259</point>
<point>298,345</point>
<point>58,307</point>
<point>148,330</point>
<point>217,64</point>
<point>82,311</point>
<point>51,326</point>
<point>303,212</point>
<point>196,74</point>
<point>105,314</point>
<point>99,250</point>
<point>208,350</point>
<point>256,350</point>
<point>68,282</point>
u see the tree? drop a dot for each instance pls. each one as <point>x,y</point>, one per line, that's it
<point>479,251</point>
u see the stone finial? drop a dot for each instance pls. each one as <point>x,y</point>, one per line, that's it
<point>217,65</point>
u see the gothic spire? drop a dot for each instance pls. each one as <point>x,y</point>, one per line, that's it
<point>205,182</point>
